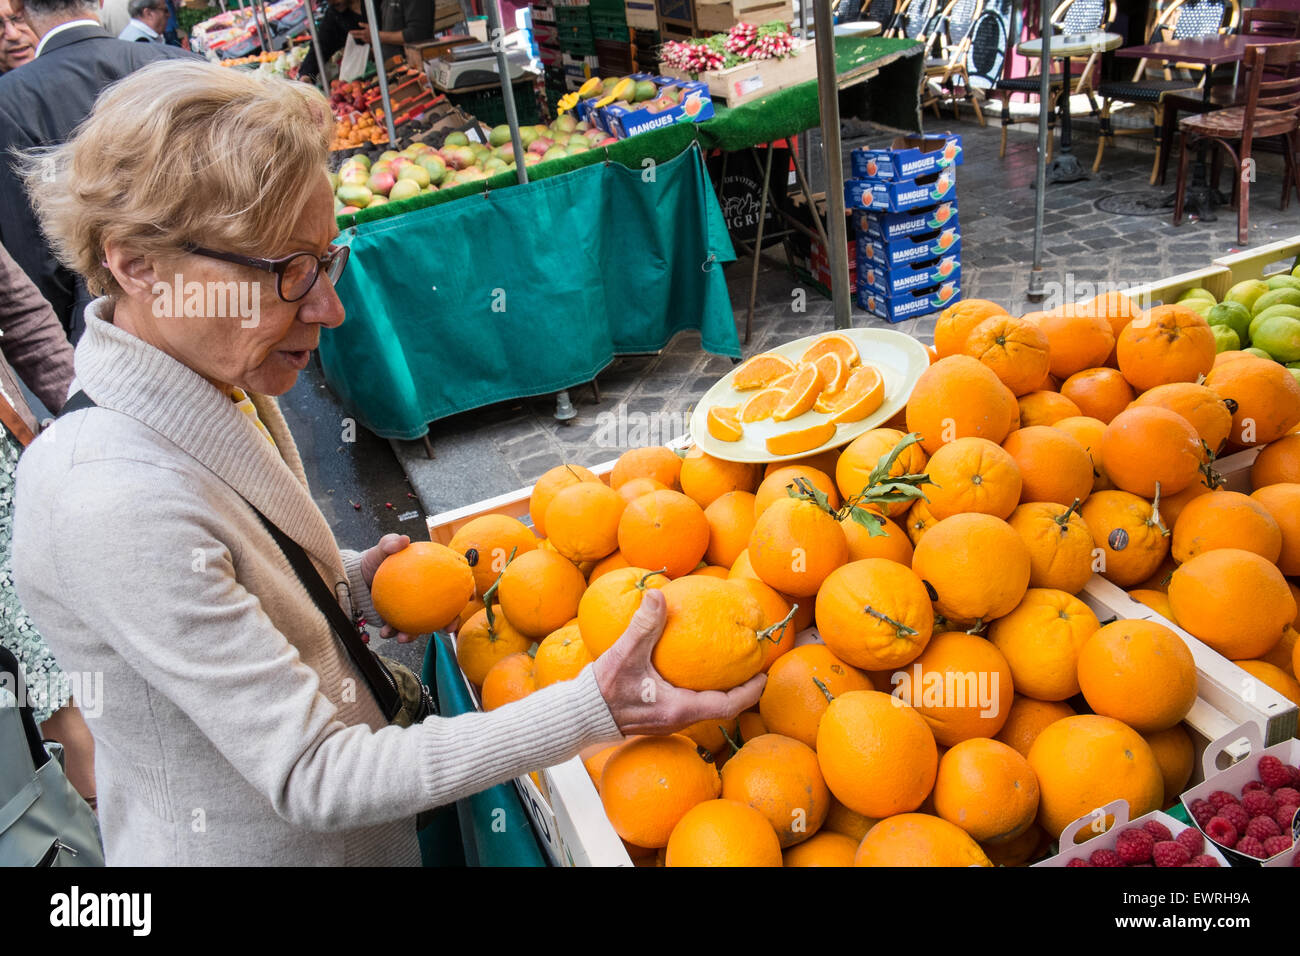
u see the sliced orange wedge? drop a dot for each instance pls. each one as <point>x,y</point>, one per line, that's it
<point>723,423</point>
<point>834,372</point>
<point>801,395</point>
<point>800,440</point>
<point>836,343</point>
<point>761,405</point>
<point>785,381</point>
<point>761,371</point>
<point>863,394</point>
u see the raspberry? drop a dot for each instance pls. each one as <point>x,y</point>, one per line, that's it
<point>1205,860</point>
<point>1221,798</point>
<point>1252,787</point>
<point>1222,832</point>
<point>1249,846</point>
<point>1192,841</point>
<point>1258,802</point>
<point>1105,858</point>
<point>1202,812</point>
<point>1078,861</point>
<point>1134,846</point>
<point>1169,853</point>
<point>1273,773</point>
<point>1262,827</point>
<point>1287,795</point>
<point>1275,845</point>
<point>1237,816</point>
<point>1284,816</point>
<point>1158,831</point>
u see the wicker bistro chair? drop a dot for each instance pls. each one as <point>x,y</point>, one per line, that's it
<point>917,19</point>
<point>1271,108</point>
<point>1071,17</point>
<point>1181,20</point>
<point>945,73</point>
<point>884,12</point>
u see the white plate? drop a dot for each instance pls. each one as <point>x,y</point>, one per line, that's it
<point>900,358</point>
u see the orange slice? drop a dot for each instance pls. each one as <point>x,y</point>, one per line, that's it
<point>834,372</point>
<point>762,405</point>
<point>801,395</point>
<point>862,395</point>
<point>785,381</point>
<point>836,343</point>
<point>800,440</point>
<point>761,371</point>
<point>723,424</point>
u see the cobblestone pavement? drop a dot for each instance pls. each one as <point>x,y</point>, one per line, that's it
<point>498,449</point>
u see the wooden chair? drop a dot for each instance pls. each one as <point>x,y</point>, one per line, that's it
<point>945,73</point>
<point>1182,19</point>
<point>1270,23</point>
<point>1271,109</point>
<point>1071,17</point>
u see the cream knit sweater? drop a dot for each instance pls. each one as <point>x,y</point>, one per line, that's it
<point>235,729</point>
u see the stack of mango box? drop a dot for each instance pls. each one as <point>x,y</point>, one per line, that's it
<point>904,202</point>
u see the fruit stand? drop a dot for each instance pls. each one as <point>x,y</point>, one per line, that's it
<point>1146,640</point>
<point>641,211</point>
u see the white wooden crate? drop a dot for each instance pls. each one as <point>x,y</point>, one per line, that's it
<point>1222,274</point>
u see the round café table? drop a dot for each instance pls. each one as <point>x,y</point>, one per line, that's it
<point>1065,166</point>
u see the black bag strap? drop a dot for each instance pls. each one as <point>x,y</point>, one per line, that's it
<point>382,685</point>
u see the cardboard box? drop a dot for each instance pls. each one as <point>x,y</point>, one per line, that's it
<point>908,305</point>
<point>696,107</point>
<point>874,248</point>
<point>718,16</point>
<point>750,81</point>
<point>417,54</point>
<point>641,14</point>
<point>902,194</point>
<point>908,157</point>
<point>1235,777</point>
<point>891,226</point>
<point>1110,838</point>
<point>910,276</point>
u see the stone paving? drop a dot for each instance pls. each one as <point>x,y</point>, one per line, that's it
<point>497,449</point>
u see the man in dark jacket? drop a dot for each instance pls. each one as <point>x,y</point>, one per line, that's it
<point>341,17</point>
<point>40,105</point>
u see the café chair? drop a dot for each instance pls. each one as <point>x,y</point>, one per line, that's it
<point>1271,108</point>
<point>1071,18</point>
<point>1181,20</point>
<point>946,72</point>
<point>1270,23</point>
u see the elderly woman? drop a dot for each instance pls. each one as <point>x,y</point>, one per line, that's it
<point>235,728</point>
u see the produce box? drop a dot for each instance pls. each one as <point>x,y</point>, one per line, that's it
<point>417,54</point>
<point>878,251</point>
<point>641,14</point>
<point>718,16</point>
<point>696,107</point>
<point>907,158</point>
<point>903,194</point>
<point>909,276</point>
<point>1235,778</point>
<point>1106,841</point>
<point>891,226</point>
<point>749,81</point>
<point>908,305</point>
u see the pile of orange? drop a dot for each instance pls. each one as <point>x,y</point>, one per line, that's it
<point>966,704</point>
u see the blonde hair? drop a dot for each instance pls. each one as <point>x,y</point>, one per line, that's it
<point>180,152</point>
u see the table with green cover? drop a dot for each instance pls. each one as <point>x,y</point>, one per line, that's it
<point>492,290</point>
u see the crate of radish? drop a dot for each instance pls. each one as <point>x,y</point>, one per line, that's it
<point>1154,839</point>
<point>1252,809</point>
<point>744,63</point>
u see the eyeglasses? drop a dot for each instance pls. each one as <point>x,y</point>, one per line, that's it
<point>295,274</point>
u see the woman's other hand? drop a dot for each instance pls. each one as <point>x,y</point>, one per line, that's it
<point>640,700</point>
<point>370,562</point>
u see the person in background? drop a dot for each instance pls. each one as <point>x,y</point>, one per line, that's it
<point>401,22</point>
<point>341,18</point>
<point>35,350</point>
<point>114,16</point>
<point>17,41</point>
<point>148,17</point>
<point>40,105</point>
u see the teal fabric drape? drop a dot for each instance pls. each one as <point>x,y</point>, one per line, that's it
<point>526,290</point>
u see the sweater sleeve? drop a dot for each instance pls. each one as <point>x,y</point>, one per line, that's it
<point>362,603</point>
<point>190,629</point>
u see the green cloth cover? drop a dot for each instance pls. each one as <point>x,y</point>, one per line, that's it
<point>494,830</point>
<point>526,291</point>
